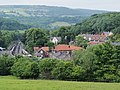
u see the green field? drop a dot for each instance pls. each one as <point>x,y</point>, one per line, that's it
<point>12,83</point>
<point>60,24</point>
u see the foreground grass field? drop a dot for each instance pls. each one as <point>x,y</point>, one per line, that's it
<point>12,83</point>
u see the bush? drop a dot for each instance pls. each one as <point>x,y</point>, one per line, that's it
<point>46,66</point>
<point>78,73</point>
<point>25,68</point>
<point>63,70</point>
<point>6,63</point>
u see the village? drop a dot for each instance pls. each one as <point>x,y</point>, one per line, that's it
<point>60,45</point>
<point>63,51</point>
<point>58,51</point>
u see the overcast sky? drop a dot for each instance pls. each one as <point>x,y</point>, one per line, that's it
<point>113,5</point>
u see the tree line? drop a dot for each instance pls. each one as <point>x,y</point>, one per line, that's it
<point>8,24</point>
<point>95,24</point>
<point>7,37</point>
<point>96,63</point>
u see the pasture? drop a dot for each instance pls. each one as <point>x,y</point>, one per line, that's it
<point>12,83</point>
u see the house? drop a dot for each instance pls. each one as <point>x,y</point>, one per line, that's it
<point>36,49</point>
<point>107,33</point>
<point>63,47</point>
<point>63,51</point>
<point>96,37</point>
<point>41,52</point>
<point>1,49</point>
<point>116,43</point>
<point>55,40</point>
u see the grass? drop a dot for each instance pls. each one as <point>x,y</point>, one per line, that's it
<point>60,24</point>
<point>12,83</point>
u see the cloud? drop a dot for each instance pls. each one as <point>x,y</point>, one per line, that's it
<point>92,4</point>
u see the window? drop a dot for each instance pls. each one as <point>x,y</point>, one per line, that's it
<point>41,52</point>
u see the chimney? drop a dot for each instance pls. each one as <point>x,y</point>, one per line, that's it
<point>69,46</point>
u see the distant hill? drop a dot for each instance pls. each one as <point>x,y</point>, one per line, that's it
<point>98,23</point>
<point>45,16</point>
<point>7,24</point>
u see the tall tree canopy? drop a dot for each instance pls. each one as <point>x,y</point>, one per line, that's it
<point>6,37</point>
<point>98,23</point>
<point>35,37</point>
<point>8,24</point>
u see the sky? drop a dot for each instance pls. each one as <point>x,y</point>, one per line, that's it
<point>111,5</point>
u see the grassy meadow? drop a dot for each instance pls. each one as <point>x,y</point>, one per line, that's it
<point>12,83</point>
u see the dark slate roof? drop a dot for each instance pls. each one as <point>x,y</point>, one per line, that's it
<point>116,43</point>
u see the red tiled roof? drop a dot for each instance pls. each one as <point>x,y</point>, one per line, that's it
<point>45,48</point>
<point>92,43</point>
<point>96,37</point>
<point>36,48</point>
<point>64,47</point>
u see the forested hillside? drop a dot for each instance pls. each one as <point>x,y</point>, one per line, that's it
<point>7,24</point>
<point>6,37</point>
<point>98,23</point>
<point>45,16</point>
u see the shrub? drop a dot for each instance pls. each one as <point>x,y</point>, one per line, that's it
<point>78,73</point>
<point>25,68</point>
<point>46,66</point>
<point>63,70</point>
<point>6,63</point>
